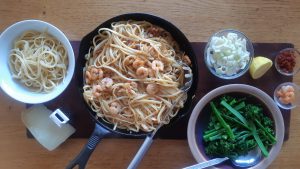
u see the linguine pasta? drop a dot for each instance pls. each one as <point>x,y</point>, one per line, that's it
<point>39,61</point>
<point>133,76</point>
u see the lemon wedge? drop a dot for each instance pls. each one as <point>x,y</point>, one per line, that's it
<point>259,66</point>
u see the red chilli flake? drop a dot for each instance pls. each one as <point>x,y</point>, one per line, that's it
<point>286,61</point>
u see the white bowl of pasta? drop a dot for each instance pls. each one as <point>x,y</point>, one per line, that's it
<point>37,61</point>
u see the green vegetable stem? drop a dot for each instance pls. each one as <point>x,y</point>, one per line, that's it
<point>222,121</point>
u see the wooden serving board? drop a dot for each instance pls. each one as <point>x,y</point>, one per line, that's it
<point>72,104</point>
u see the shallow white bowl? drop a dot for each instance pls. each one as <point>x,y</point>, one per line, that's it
<point>198,119</point>
<point>11,86</point>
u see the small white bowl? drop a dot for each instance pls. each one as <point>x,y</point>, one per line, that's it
<point>11,86</point>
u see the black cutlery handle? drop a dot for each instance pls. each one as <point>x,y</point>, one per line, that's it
<point>82,158</point>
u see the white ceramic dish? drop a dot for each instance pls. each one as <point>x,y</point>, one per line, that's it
<point>11,86</point>
<point>194,135</point>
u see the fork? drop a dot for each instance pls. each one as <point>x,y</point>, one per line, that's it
<point>188,80</point>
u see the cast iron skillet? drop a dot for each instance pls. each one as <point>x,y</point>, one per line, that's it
<point>103,128</point>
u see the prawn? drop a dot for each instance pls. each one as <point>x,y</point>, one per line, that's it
<point>96,90</point>
<point>157,65</point>
<point>142,72</point>
<point>290,96</point>
<point>115,107</point>
<point>152,89</point>
<point>93,74</point>
<point>106,83</point>
<point>284,100</point>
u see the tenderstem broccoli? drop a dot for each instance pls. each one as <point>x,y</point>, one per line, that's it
<point>237,125</point>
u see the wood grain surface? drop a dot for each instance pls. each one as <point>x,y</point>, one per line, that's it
<point>262,21</point>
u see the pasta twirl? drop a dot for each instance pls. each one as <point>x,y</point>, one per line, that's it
<point>39,61</point>
<point>133,75</point>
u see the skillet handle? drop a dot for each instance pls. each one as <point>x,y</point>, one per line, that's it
<point>140,154</point>
<point>82,158</point>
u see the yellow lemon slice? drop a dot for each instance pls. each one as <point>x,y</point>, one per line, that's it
<point>259,66</point>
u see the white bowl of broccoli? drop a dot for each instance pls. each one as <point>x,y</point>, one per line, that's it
<point>224,122</point>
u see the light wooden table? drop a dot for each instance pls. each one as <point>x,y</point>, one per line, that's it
<point>262,21</point>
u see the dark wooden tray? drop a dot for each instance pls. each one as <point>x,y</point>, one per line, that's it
<point>72,104</point>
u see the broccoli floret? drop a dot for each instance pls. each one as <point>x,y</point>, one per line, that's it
<point>251,111</point>
<point>221,148</point>
<point>228,148</point>
<point>266,121</point>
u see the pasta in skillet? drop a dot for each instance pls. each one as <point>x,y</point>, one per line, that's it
<point>133,75</point>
